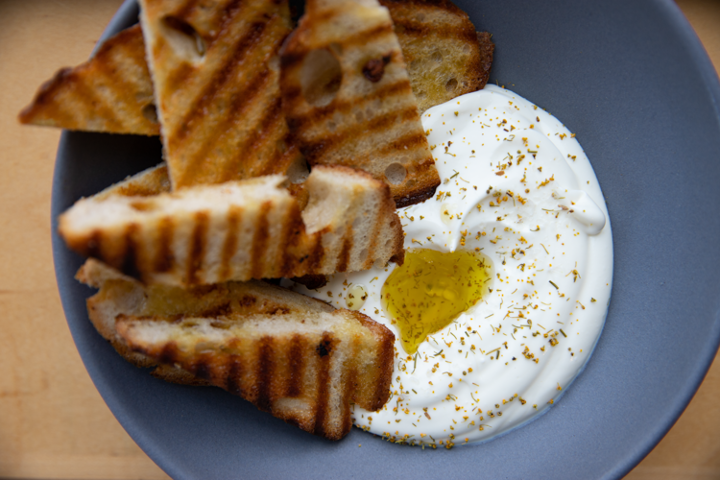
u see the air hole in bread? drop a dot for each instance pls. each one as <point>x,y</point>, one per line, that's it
<point>149,111</point>
<point>436,57</point>
<point>363,253</point>
<point>359,116</point>
<point>421,94</point>
<point>320,77</point>
<point>298,171</point>
<point>451,85</point>
<point>183,38</point>
<point>395,173</point>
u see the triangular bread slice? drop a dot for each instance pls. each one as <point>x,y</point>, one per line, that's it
<point>120,294</point>
<point>111,92</point>
<point>347,97</point>
<point>241,230</point>
<point>215,72</point>
<point>445,56</point>
<point>305,368</point>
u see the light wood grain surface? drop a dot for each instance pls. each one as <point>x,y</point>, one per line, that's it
<point>53,423</point>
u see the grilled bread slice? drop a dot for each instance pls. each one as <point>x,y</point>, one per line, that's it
<point>215,72</point>
<point>347,97</point>
<point>445,56</point>
<point>241,230</point>
<point>299,358</point>
<point>305,368</point>
<point>112,92</point>
<point>120,294</point>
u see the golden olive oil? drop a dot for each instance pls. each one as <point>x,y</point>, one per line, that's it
<point>431,289</point>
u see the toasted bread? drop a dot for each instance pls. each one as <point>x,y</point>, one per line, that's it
<point>241,230</point>
<point>347,97</point>
<point>445,56</point>
<point>284,371</point>
<point>112,92</point>
<point>120,294</point>
<point>216,74</point>
<point>305,368</point>
<point>487,54</point>
<point>155,180</point>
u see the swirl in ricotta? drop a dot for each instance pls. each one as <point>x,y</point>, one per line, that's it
<point>516,186</point>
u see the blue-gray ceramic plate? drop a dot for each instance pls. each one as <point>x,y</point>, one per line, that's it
<point>633,81</point>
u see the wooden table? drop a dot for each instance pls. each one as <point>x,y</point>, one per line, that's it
<point>53,423</point>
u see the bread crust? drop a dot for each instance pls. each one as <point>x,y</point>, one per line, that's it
<point>148,183</point>
<point>446,57</point>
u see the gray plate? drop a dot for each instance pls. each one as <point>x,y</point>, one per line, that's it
<point>632,80</point>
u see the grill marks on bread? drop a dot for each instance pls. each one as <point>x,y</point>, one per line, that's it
<point>348,99</point>
<point>216,78</point>
<point>288,354</point>
<point>111,92</point>
<point>302,368</point>
<point>240,230</point>
<point>120,294</point>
